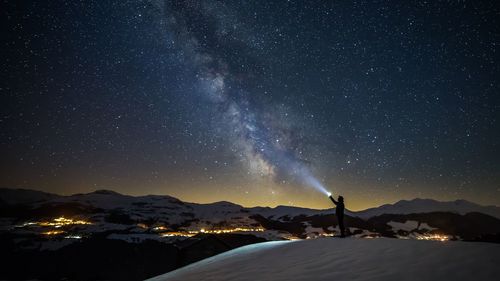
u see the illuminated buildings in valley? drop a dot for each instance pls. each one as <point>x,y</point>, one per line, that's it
<point>57,222</point>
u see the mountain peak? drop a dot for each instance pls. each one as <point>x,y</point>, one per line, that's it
<point>462,201</point>
<point>224,204</point>
<point>105,192</point>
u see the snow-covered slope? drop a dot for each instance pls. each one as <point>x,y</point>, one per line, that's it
<point>428,205</point>
<point>348,259</point>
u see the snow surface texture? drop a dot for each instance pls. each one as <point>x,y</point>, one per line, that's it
<point>348,259</point>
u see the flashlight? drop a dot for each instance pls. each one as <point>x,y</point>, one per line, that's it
<point>329,194</point>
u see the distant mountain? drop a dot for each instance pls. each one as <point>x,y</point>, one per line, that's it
<point>115,212</point>
<point>163,232</point>
<point>24,196</point>
<point>428,205</point>
<point>107,199</point>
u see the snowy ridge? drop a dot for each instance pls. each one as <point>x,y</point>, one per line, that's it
<point>348,259</point>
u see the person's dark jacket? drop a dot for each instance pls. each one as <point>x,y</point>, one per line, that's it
<point>339,210</point>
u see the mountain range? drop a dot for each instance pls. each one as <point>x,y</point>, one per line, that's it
<point>108,210</point>
<point>47,236</point>
<point>108,199</point>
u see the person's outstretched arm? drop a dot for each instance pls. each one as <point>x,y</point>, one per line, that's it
<point>333,200</point>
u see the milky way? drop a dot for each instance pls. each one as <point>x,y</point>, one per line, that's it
<point>253,102</point>
<point>207,43</point>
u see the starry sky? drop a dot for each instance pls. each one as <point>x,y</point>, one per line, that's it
<point>254,102</point>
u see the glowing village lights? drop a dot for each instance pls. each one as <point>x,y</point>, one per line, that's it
<point>61,221</point>
<point>231,230</point>
<point>142,225</point>
<point>159,228</point>
<point>55,227</point>
<point>73,237</point>
<point>53,232</point>
<point>57,224</point>
<point>190,233</point>
<point>434,237</point>
<point>177,234</point>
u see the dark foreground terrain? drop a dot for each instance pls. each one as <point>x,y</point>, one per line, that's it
<point>98,258</point>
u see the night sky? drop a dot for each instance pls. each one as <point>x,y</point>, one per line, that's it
<point>250,101</point>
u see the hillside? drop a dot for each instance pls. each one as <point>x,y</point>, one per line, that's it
<point>56,237</point>
<point>165,218</point>
<point>348,259</point>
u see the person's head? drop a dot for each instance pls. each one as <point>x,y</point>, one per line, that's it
<point>341,199</point>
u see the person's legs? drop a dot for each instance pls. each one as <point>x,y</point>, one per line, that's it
<point>341,226</point>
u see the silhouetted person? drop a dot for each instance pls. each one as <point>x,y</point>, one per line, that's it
<point>339,212</point>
